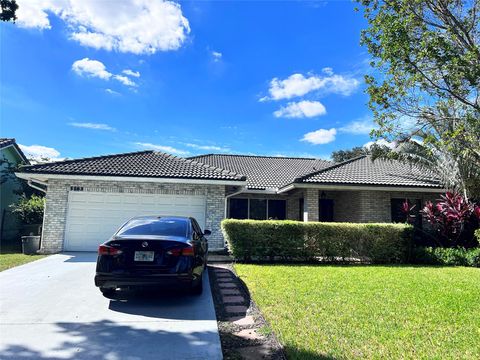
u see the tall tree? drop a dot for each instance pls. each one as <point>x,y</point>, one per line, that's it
<point>344,155</point>
<point>425,90</point>
<point>9,8</point>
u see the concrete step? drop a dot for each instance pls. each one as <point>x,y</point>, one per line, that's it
<point>214,258</point>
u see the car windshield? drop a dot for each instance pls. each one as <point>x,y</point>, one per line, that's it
<point>154,227</point>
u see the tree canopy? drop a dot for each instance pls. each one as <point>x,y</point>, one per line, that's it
<point>425,88</point>
<point>344,155</point>
<point>9,8</point>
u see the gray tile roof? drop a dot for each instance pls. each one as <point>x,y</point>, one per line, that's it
<point>364,171</point>
<point>265,171</point>
<point>261,172</point>
<point>150,164</point>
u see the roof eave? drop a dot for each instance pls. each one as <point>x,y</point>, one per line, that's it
<point>353,187</point>
<point>182,180</point>
<point>18,151</point>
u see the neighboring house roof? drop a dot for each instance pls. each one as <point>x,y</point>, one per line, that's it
<point>362,170</point>
<point>5,142</point>
<point>151,164</point>
<point>265,172</point>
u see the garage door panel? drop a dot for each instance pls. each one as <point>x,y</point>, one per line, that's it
<point>93,217</point>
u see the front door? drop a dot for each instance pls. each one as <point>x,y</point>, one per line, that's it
<point>325,210</point>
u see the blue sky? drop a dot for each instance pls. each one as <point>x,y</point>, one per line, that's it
<point>269,78</point>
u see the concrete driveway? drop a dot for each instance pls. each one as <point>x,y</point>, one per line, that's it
<point>50,309</point>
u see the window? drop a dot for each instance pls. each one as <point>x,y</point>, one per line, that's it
<point>277,209</point>
<point>155,227</point>
<point>258,209</point>
<point>397,214</point>
<point>239,208</point>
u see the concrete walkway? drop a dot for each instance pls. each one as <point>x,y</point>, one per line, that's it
<point>50,309</point>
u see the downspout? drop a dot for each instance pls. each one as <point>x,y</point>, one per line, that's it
<point>31,184</point>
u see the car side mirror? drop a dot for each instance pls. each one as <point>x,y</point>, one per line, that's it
<point>207,232</point>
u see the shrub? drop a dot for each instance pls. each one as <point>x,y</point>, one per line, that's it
<point>29,210</point>
<point>477,236</point>
<point>452,218</point>
<point>292,240</point>
<point>447,256</point>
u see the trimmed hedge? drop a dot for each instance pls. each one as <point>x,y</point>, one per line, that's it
<point>288,240</point>
<point>447,256</point>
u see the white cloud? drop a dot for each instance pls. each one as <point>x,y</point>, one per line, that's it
<point>362,126</point>
<point>299,85</point>
<point>94,126</point>
<point>125,80</point>
<point>112,92</point>
<point>95,68</point>
<point>31,14</point>
<point>135,26</point>
<point>321,136</point>
<point>327,70</point>
<point>91,68</point>
<point>40,153</point>
<point>94,40</point>
<point>381,142</point>
<point>301,109</point>
<point>207,147</point>
<point>217,56</point>
<point>131,73</point>
<point>162,148</point>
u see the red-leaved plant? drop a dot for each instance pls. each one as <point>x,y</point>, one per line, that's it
<point>449,215</point>
<point>407,211</point>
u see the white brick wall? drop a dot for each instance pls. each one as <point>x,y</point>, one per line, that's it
<point>57,198</point>
<point>363,206</point>
<point>310,205</point>
<point>349,206</point>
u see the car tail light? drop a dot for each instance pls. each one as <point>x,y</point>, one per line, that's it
<point>175,252</point>
<point>108,250</point>
<point>187,251</point>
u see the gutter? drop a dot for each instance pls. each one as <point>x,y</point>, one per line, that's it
<point>33,182</point>
<point>350,187</point>
<point>45,177</point>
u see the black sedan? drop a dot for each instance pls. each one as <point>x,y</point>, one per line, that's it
<point>153,251</point>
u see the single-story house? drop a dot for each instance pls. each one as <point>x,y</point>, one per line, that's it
<point>88,199</point>
<point>11,156</point>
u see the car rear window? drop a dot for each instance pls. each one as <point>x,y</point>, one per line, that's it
<point>154,227</point>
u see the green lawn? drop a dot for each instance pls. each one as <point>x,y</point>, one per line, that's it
<point>379,312</point>
<point>8,261</point>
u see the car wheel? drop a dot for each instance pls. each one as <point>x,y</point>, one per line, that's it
<point>107,292</point>
<point>197,287</point>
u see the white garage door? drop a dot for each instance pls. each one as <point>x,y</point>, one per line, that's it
<point>93,218</point>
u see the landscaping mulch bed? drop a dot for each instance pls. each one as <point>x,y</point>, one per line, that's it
<point>244,333</point>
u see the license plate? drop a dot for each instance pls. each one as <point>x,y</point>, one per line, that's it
<point>144,255</point>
